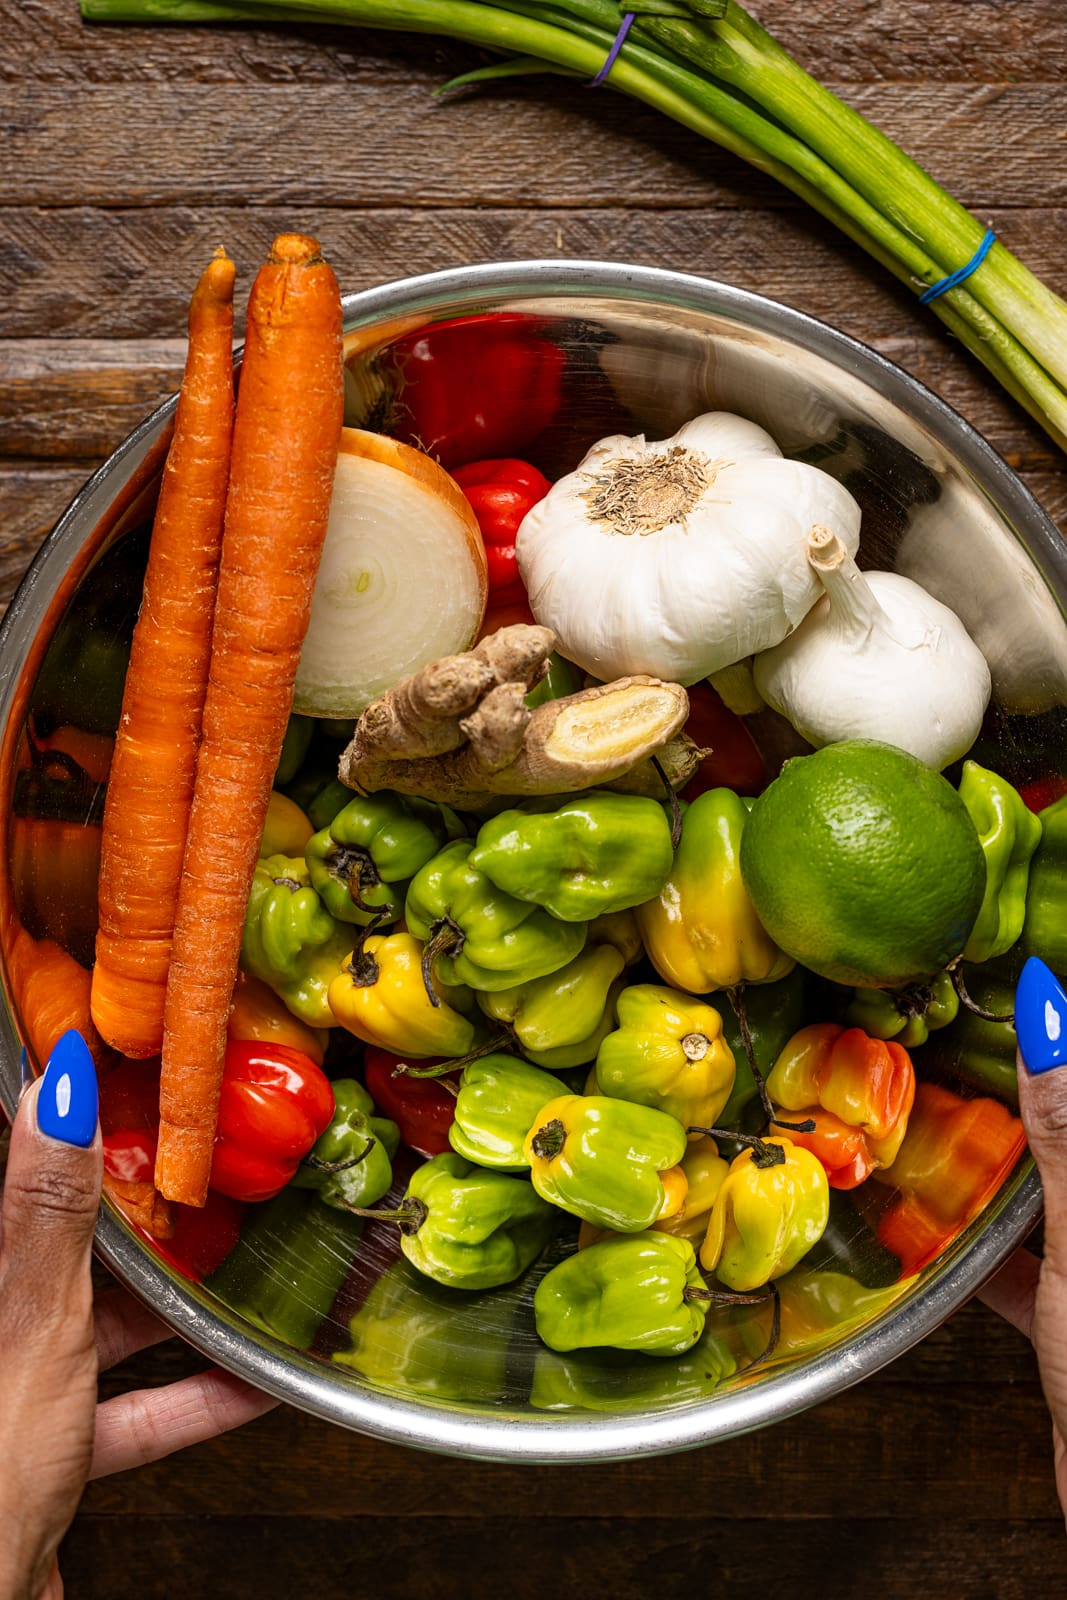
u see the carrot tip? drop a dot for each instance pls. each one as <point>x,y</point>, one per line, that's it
<point>295,250</point>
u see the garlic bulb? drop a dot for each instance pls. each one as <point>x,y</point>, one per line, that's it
<point>877,658</point>
<point>681,557</point>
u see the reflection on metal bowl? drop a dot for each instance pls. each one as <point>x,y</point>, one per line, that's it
<point>547,357</point>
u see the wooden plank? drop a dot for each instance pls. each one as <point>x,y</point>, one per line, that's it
<point>30,503</point>
<point>89,272</point>
<point>885,40</point>
<point>540,144</point>
<point>503,1551</point>
<point>79,398</point>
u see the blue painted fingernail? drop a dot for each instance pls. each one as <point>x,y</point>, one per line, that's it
<point>1041,1017</point>
<point>68,1102</point>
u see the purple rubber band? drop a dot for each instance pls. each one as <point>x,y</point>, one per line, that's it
<point>620,39</point>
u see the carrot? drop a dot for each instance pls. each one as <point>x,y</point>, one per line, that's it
<point>150,789</point>
<point>286,435</point>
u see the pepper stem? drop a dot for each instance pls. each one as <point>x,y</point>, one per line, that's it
<point>955,972</point>
<point>362,966</point>
<point>354,866</point>
<point>402,1070</point>
<point>726,1297</point>
<point>445,937</point>
<point>672,801</point>
<point>409,1215</point>
<point>318,1165</point>
<point>736,997</point>
<point>763,1154</point>
<point>548,1141</point>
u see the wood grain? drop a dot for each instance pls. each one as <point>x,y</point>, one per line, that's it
<point>878,41</point>
<point>213,143</point>
<point>597,1548</point>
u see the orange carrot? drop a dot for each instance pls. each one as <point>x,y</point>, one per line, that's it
<point>150,789</point>
<point>286,434</point>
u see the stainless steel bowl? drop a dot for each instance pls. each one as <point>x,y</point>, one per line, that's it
<point>641,350</point>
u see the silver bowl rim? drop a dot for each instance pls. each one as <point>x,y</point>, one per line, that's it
<point>311,1384</point>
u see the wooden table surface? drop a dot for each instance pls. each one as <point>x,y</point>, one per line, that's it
<point>125,155</point>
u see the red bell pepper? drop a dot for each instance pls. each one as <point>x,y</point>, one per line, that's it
<point>422,1108</point>
<point>956,1154</point>
<point>1042,792</point>
<point>274,1104</point>
<point>735,761</point>
<point>478,386</point>
<point>501,493</point>
<point>195,1239</point>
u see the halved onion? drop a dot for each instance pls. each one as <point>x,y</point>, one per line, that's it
<point>402,579</point>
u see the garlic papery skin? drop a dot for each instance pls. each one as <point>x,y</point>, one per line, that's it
<point>877,658</point>
<point>679,557</point>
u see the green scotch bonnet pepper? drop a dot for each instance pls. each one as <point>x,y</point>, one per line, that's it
<point>611,1162</point>
<point>469,1228</point>
<point>498,1101</point>
<point>644,1292</point>
<point>291,941</point>
<point>361,863</point>
<point>351,1163</point>
<point>595,854</point>
<point>478,934</point>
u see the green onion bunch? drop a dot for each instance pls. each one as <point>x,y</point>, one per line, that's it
<point>711,67</point>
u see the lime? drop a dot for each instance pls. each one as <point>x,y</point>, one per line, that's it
<point>863,864</point>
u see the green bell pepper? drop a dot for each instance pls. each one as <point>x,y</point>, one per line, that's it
<point>669,1052</point>
<point>351,1163</point>
<point>606,1380</point>
<point>291,941</point>
<point>470,1228</point>
<point>561,679</point>
<point>1045,927</point>
<point>605,1160</point>
<point>644,1292</point>
<point>593,854</point>
<point>288,1266</point>
<point>411,1336</point>
<point>362,861</point>
<point>298,731</point>
<point>1009,834</point>
<point>560,1019</point>
<point>774,1012</point>
<point>975,1051</point>
<point>478,934</point>
<point>909,1015</point>
<point>498,1101</point>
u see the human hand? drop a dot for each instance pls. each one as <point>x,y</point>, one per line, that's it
<point>1029,1293</point>
<point>53,1435</point>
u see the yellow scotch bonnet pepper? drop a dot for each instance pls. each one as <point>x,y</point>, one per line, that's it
<point>773,1206</point>
<point>381,997</point>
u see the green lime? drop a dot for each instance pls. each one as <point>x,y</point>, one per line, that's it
<point>864,865</point>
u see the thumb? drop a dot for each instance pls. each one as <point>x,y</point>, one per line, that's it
<point>52,1186</point>
<point>1041,1025</point>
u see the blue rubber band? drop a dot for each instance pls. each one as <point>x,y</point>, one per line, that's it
<point>937,289</point>
<point>620,37</point>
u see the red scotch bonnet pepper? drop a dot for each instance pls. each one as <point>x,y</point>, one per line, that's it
<point>501,493</point>
<point>275,1102</point>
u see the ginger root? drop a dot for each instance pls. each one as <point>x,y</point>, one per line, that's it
<point>460,731</point>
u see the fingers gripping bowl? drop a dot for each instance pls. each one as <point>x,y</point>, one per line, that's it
<point>554,356</point>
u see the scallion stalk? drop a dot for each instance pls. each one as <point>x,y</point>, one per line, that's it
<point>728,80</point>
